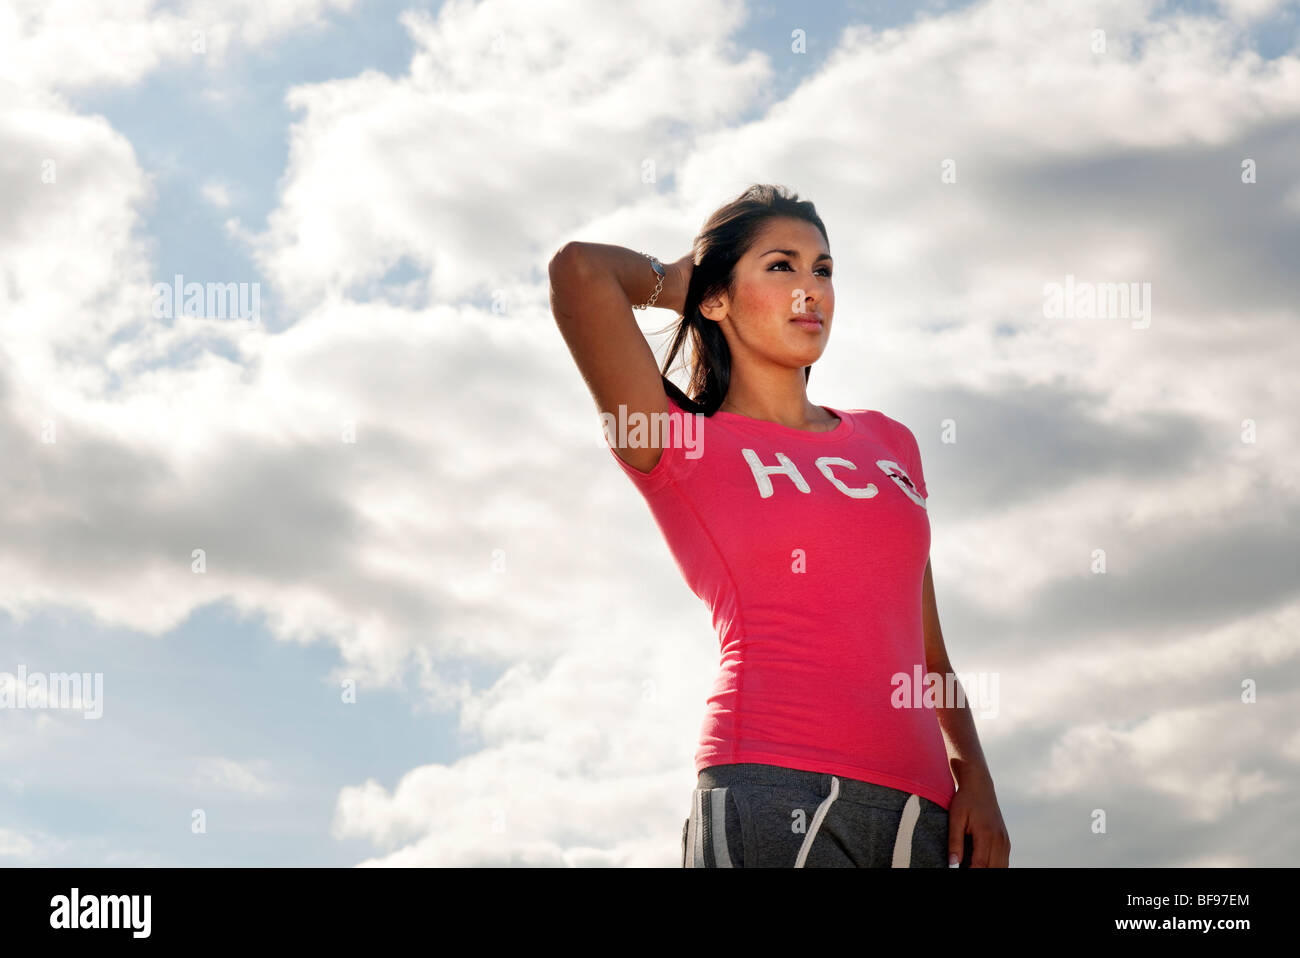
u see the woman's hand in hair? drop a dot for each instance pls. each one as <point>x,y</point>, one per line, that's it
<point>677,278</point>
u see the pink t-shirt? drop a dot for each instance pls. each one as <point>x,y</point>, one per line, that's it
<point>810,549</point>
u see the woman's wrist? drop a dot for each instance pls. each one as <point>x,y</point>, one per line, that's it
<point>967,772</point>
<point>676,283</point>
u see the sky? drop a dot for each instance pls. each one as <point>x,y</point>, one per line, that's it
<point>353,580</point>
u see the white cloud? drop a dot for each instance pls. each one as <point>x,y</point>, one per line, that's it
<point>27,847</point>
<point>216,193</point>
<point>74,271</point>
<point>1250,10</point>
<point>250,777</point>
<point>472,146</point>
<point>73,44</point>
<point>1097,760</point>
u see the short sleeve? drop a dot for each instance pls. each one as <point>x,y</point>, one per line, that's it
<point>671,459</point>
<point>912,453</point>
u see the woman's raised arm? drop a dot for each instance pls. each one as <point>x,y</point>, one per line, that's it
<point>593,287</point>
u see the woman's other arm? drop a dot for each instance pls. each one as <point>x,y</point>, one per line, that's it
<point>974,808</point>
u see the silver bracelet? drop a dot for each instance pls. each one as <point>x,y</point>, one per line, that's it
<point>659,269</point>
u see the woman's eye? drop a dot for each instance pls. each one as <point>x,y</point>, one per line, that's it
<point>786,264</point>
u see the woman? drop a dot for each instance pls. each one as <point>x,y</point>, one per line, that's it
<point>804,529</point>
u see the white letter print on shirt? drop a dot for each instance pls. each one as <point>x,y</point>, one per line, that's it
<point>900,476</point>
<point>762,476</point>
<point>761,472</point>
<point>824,463</point>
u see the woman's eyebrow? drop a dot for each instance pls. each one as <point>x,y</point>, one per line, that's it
<point>794,254</point>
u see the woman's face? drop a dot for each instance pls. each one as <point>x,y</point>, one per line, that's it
<point>784,277</point>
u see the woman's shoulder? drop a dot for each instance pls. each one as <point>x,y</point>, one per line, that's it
<point>883,423</point>
<point>875,416</point>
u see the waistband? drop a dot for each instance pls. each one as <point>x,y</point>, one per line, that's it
<point>850,789</point>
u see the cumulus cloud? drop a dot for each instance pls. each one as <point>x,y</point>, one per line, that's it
<point>71,45</point>
<point>468,149</point>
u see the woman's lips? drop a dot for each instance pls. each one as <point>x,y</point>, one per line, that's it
<point>810,322</point>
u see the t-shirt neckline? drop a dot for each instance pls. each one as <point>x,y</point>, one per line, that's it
<point>844,428</point>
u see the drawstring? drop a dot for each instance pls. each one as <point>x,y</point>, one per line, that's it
<point>902,841</point>
<point>817,822</point>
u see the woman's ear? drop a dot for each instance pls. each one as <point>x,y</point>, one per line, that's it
<point>714,308</point>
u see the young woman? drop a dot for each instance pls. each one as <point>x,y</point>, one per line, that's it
<point>804,529</point>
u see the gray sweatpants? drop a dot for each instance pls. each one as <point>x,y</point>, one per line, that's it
<point>750,815</point>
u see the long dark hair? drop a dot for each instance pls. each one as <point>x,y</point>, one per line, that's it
<point>727,234</point>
